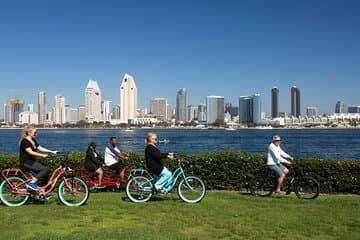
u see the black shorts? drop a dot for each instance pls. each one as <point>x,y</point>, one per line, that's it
<point>118,167</point>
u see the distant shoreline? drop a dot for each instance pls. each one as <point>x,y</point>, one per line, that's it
<point>192,128</point>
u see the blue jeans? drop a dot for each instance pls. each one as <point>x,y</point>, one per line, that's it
<point>165,180</point>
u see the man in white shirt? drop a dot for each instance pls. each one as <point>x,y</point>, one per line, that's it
<point>275,157</point>
<point>112,154</point>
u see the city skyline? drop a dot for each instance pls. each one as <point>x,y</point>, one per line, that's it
<point>247,46</point>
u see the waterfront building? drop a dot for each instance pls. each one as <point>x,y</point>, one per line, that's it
<point>170,112</point>
<point>250,109</point>
<point>71,114</point>
<point>256,110</point>
<point>81,113</point>
<point>274,102</point>
<point>128,99</point>
<point>354,109</point>
<point>181,105</point>
<point>193,112</point>
<point>232,110</point>
<point>311,112</point>
<point>12,109</point>
<point>93,102</point>
<point>58,110</point>
<point>158,107</point>
<point>116,112</point>
<point>28,117</point>
<point>41,107</point>
<point>202,113</point>
<point>105,110</point>
<point>295,101</point>
<point>340,107</point>
<point>215,109</point>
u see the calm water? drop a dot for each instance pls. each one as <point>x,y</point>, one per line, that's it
<point>320,143</point>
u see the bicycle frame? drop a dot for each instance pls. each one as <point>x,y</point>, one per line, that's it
<point>177,173</point>
<point>49,187</point>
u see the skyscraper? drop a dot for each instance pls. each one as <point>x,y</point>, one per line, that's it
<point>193,112</point>
<point>128,99</point>
<point>245,109</point>
<point>215,109</point>
<point>274,102</point>
<point>295,101</point>
<point>158,106</point>
<point>105,110</point>
<point>202,113</point>
<point>58,110</point>
<point>12,109</point>
<point>340,107</point>
<point>250,109</point>
<point>311,112</point>
<point>181,105</point>
<point>93,101</point>
<point>42,107</point>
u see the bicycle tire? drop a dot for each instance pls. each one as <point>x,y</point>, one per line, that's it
<point>307,188</point>
<point>139,189</point>
<point>262,186</point>
<point>75,196</point>
<point>191,189</point>
<point>12,199</point>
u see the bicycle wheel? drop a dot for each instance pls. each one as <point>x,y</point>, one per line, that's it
<point>262,186</point>
<point>73,192</point>
<point>307,188</point>
<point>139,189</point>
<point>191,189</point>
<point>9,194</point>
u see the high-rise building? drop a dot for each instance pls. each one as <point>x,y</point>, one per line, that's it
<point>202,113</point>
<point>128,99</point>
<point>193,112</point>
<point>181,105</point>
<point>232,110</point>
<point>274,102</point>
<point>93,102</point>
<point>354,109</point>
<point>311,112</point>
<point>250,109</point>
<point>245,109</point>
<point>295,102</point>
<point>158,107</point>
<point>116,112</point>
<point>41,107</point>
<point>12,109</point>
<point>340,107</point>
<point>215,109</point>
<point>81,113</point>
<point>105,110</point>
<point>58,110</point>
<point>170,112</point>
<point>256,99</point>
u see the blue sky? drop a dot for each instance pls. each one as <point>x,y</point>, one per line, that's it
<point>228,48</point>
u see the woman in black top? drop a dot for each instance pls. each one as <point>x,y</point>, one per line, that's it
<point>92,162</point>
<point>154,164</point>
<point>29,149</point>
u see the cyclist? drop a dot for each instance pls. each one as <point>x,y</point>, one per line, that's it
<point>29,150</point>
<point>112,155</point>
<point>275,157</point>
<point>92,163</point>
<point>154,164</point>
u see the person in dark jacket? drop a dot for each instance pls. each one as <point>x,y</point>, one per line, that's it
<point>92,163</point>
<point>154,164</point>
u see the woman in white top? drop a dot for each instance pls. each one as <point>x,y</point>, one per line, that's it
<point>275,157</point>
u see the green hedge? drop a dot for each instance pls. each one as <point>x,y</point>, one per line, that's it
<point>233,170</point>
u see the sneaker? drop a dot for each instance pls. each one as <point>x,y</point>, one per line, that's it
<point>281,193</point>
<point>100,186</point>
<point>45,197</point>
<point>32,186</point>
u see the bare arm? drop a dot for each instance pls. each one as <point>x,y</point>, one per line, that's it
<point>43,149</point>
<point>33,153</point>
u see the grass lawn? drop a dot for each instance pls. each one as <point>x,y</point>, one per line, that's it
<point>221,215</point>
